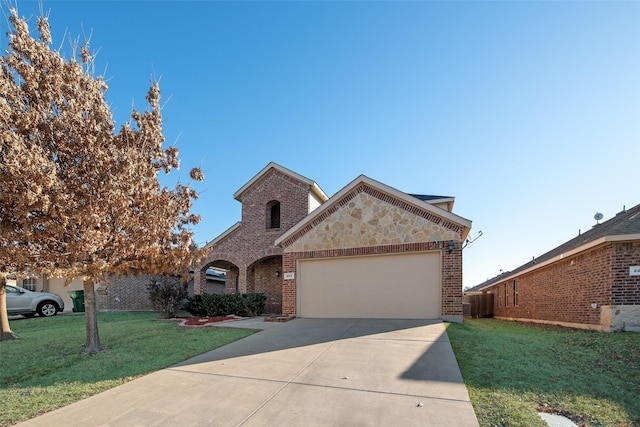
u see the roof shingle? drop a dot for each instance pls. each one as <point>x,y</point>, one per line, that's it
<point>625,222</point>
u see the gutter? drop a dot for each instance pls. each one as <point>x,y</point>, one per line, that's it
<point>574,251</point>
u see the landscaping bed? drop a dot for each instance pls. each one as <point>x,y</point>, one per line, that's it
<point>195,321</point>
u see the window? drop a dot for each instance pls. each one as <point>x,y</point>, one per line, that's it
<point>273,214</point>
<point>506,295</point>
<point>515,292</point>
<point>30,284</point>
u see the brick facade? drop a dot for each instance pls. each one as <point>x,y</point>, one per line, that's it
<point>625,288</point>
<point>364,221</point>
<point>266,278</point>
<point>248,252</point>
<point>586,290</point>
<point>130,293</point>
<point>124,293</point>
<point>451,271</point>
<point>591,281</point>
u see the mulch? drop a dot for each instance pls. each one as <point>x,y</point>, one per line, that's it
<point>194,321</point>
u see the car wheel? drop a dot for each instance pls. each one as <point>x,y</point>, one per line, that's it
<point>47,309</point>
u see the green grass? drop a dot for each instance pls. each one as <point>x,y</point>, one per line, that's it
<point>44,370</point>
<point>512,369</point>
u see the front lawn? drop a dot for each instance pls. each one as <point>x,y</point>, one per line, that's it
<point>44,370</point>
<point>513,370</point>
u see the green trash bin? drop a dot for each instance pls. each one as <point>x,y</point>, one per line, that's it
<point>78,301</point>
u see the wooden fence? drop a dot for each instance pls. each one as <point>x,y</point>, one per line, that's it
<point>478,306</point>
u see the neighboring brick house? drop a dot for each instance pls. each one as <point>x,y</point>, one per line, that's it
<point>590,282</point>
<point>123,293</point>
<point>368,251</point>
<point>130,292</point>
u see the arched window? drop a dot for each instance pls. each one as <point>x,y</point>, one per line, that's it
<point>273,214</point>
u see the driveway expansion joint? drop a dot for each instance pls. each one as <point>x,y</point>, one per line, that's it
<point>285,384</point>
<point>295,375</point>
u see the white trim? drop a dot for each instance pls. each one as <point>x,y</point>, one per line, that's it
<point>272,165</point>
<point>411,200</point>
<point>623,237</point>
<point>574,251</point>
<point>448,200</point>
<point>441,200</point>
<point>223,235</point>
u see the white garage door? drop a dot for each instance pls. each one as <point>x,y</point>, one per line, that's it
<point>402,286</point>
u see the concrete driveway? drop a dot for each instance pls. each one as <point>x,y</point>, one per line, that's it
<point>305,372</point>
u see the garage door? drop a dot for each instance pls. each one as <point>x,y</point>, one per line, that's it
<point>402,286</point>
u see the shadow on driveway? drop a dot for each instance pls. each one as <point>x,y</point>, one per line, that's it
<point>305,372</point>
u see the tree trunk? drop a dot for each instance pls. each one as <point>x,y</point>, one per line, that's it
<point>91,319</point>
<point>6,333</point>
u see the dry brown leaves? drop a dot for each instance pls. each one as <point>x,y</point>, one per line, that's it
<point>78,199</point>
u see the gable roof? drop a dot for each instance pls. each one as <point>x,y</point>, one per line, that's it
<point>464,223</point>
<point>315,188</point>
<point>224,234</point>
<point>624,226</point>
<point>437,200</point>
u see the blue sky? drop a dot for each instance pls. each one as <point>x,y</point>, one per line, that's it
<point>527,112</point>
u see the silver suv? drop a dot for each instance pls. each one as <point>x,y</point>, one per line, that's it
<point>28,303</point>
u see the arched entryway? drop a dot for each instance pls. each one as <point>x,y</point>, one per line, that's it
<point>265,276</point>
<point>207,279</point>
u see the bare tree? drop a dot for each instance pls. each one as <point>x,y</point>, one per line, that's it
<point>77,198</point>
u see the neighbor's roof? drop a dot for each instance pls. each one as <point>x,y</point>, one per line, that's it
<point>624,226</point>
<point>436,200</point>
<point>272,165</point>
<point>215,274</point>
<point>427,198</point>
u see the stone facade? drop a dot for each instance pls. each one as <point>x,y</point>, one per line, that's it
<point>364,221</point>
<point>368,221</point>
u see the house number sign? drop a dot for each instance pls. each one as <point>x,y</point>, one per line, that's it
<point>634,270</point>
<point>291,276</point>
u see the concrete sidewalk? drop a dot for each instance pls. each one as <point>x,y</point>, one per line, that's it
<point>305,372</point>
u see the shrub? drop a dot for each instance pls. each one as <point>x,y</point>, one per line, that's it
<point>167,294</point>
<point>252,304</point>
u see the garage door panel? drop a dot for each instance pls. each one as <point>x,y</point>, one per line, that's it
<point>381,286</point>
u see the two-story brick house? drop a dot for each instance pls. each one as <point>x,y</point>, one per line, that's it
<point>273,201</point>
<point>368,251</point>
